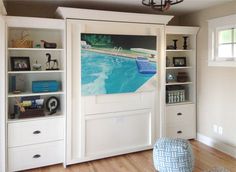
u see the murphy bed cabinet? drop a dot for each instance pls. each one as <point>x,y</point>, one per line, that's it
<point>180,82</point>
<point>42,140</point>
<point>36,136</point>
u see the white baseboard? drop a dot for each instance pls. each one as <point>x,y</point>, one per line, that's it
<point>230,150</point>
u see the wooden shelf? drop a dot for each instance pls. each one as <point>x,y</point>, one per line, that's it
<point>56,115</point>
<point>180,103</point>
<point>35,49</point>
<point>36,72</point>
<point>174,68</point>
<point>25,94</point>
<point>178,50</point>
<point>179,83</point>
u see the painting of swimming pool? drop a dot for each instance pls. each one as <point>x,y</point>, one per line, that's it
<point>107,70</point>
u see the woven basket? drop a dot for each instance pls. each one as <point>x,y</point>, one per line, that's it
<point>24,42</point>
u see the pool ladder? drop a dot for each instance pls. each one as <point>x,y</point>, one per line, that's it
<point>117,50</point>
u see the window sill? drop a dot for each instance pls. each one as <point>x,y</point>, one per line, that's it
<point>222,63</point>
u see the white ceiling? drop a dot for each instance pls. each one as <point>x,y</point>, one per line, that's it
<point>187,6</point>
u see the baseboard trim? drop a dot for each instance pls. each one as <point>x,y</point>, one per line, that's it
<point>230,150</point>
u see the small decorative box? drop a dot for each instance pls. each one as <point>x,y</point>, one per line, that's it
<point>30,113</point>
<point>182,77</point>
<point>45,86</point>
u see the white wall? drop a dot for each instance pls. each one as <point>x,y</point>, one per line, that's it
<point>216,85</point>
<point>2,8</point>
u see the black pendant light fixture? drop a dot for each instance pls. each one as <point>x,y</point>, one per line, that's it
<point>161,5</point>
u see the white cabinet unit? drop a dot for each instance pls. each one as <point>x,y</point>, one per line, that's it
<point>35,135</point>
<point>180,75</point>
<point>104,125</point>
<point>90,127</point>
<point>108,124</point>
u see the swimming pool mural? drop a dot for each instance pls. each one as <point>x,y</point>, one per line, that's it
<point>113,64</point>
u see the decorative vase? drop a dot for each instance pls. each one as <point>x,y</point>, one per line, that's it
<point>175,43</point>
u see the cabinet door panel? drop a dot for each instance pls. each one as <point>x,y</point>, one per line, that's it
<point>116,132</point>
<point>118,102</point>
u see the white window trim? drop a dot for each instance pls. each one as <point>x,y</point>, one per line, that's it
<point>214,26</point>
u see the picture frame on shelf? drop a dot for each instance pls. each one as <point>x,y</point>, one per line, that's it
<point>179,61</point>
<point>20,64</point>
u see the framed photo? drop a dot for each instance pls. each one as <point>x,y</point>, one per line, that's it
<point>20,64</point>
<point>179,61</point>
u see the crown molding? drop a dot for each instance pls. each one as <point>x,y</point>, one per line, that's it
<point>100,15</point>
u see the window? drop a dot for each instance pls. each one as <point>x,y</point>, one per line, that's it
<point>222,41</point>
<point>226,44</point>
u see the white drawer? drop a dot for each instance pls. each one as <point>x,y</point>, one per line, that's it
<point>34,132</point>
<point>181,131</point>
<point>26,157</point>
<point>181,114</point>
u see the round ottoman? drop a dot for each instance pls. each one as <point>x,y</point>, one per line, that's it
<point>173,155</point>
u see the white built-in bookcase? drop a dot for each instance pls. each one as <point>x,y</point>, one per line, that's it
<point>180,116</point>
<point>53,33</point>
<point>38,140</point>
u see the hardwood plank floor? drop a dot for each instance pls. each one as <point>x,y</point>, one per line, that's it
<point>205,159</point>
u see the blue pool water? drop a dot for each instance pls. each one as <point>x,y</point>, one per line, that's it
<point>108,74</point>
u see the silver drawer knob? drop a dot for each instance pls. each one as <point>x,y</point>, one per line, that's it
<point>179,114</point>
<point>36,156</point>
<point>37,132</point>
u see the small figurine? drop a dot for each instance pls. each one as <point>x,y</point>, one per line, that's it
<point>37,46</point>
<point>185,46</point>
<point>36,66</point>
<point>52,64</point>
<point>49,44</point>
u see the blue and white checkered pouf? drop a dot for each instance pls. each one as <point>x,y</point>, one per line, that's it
<point>173,155</point>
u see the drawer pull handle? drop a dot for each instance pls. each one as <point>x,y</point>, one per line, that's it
<point>179,114</point>
<point>37,132</point>
<point>36,156</point>
<point>179,132</point>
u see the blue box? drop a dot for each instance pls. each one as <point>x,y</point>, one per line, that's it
<point>45,86</point>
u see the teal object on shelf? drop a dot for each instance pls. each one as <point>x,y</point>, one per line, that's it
<point>45,86</point>
<point>173,155</point>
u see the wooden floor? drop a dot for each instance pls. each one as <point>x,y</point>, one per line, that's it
<point>205,159</point>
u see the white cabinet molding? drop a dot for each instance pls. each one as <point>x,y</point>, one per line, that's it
<point>99,15</point>
<point>2,96</point>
